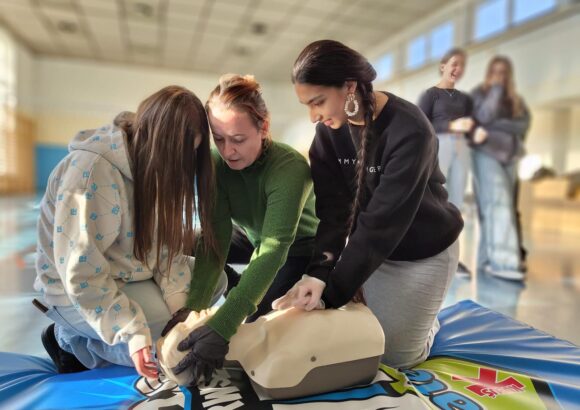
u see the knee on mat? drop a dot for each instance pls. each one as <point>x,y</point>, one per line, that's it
<point>404,359</point>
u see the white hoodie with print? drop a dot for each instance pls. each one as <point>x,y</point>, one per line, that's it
<point>85,241</point>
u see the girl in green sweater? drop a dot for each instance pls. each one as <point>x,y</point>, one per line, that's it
<point>265,188</point>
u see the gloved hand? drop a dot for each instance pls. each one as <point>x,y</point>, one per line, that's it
<point>305,294</point>
<point>208,351</point>
<point>179,316</point>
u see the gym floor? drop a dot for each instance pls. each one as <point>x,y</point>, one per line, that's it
<point>549,300</point>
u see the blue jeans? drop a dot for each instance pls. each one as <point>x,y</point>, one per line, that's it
<point>76,336</point>
<point>494,185</point>
<point>454,162</point>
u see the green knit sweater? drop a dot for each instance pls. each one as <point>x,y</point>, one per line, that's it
<point>273,202</point>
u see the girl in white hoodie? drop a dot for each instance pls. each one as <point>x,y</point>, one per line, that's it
<point>116,222</point>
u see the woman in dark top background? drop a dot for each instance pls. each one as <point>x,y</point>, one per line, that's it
<point>449,111</point>
<point>377,184</point>
<point>503,120</point>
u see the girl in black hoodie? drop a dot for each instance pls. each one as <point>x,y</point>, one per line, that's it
<point>385,222</point>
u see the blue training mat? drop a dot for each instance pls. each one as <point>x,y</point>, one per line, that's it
<point>480,360</point>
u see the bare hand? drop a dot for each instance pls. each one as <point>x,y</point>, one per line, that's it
<point>305,294</point>
<point>144,363</point>
<point>463,124</point>
<point>480,135</point>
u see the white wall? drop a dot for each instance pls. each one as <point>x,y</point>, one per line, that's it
<point>74,94</point>
<point>26,77</point>
<point>17,75</point>
<point>68,95</point>
<point>573,157</point>
<point>547,65</point>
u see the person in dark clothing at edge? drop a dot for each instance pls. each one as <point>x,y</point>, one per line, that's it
<point>385,221</point>
<point>449,111</point>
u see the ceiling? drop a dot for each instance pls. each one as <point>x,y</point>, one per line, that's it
<point>259,36</point>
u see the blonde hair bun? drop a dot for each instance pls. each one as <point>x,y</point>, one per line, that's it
<point>248,81</point>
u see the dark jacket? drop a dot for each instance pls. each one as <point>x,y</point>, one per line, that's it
<point>406,215</point>
<point>505,133</point>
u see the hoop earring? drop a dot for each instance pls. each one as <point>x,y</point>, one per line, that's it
<point>350,99</point>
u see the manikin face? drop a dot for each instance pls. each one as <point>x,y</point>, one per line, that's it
<point>452,70</point>
<point>236,137</point>
<point>325,104</point>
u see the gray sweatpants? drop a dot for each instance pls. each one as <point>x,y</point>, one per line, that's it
<point>406,297</point>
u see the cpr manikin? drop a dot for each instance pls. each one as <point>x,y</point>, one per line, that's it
<point>293,353</point>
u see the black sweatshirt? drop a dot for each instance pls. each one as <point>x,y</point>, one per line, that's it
<point>406,216</point>
<point>443,105</point>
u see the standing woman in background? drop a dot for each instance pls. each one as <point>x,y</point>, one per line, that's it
<point>503,120</point>
<point>115,224</point>
<point>449,111</point>
<point>377,184</point>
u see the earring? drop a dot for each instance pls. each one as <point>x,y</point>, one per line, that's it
<point>350,99</point>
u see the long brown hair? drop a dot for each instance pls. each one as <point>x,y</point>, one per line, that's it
<point>167,172</point>
<point>331,63</point>
<point>242,93</point>
<point>511,98</point>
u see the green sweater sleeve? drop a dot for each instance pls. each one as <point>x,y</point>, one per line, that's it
<point>209,265</point>
<point>287,188</point>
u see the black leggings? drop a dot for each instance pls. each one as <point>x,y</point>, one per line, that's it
<point>240,253</point>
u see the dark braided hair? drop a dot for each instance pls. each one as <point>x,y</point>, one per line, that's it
<point>331,63</point>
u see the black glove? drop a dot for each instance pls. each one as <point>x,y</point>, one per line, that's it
<point>179,316</point>
<point>208,351</point>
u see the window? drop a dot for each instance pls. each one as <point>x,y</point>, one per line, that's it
<point>491,18</point>
<point>384,67</point>
<point>524,10</point>
<point>430,46</point>
<point>7,102</point>
<point>441,40</point>
<point>417,52</point>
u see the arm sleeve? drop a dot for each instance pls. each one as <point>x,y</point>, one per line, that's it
<point>468,106</point>
<point>174,282</point>
<point>469,113</point>
<point>333,207</point>
<point>287,189</point>
<point>486,107</point>
<point>426,103</point>
<point>87,223</point>
<point>516,126</point>
<point>384,222</point>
